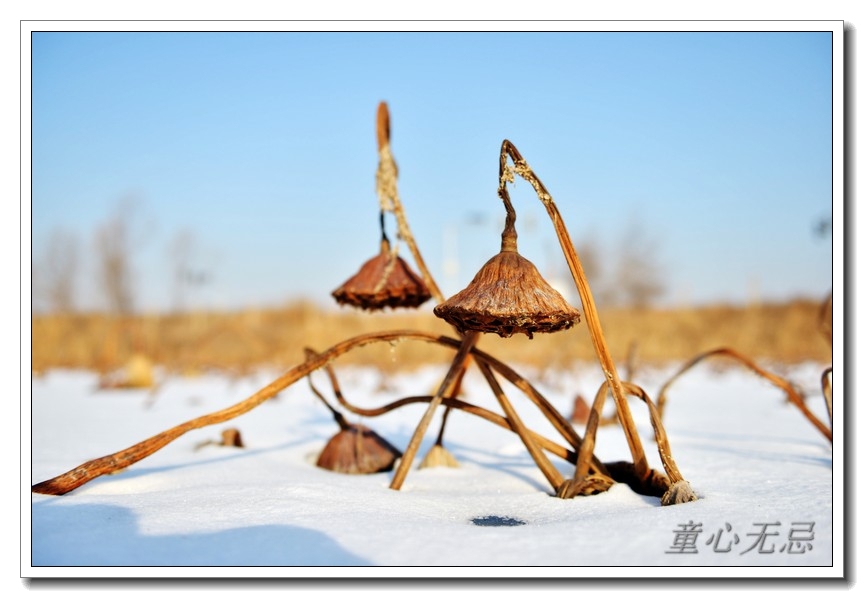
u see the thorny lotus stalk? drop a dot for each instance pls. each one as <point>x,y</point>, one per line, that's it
<point>792,394</point>
<point>520,167</point>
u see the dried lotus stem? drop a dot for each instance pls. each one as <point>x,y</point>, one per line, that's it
<point>532,440</point>
<point>80,475</point>
<point>558,421</point>
<point>672,490</point>
<point>825,320</point>
<point>503,422</point>
<point>114,462</point>
<point>792,394</point>
<point>340,419</point>
<point>828,393</point>
<point>520,167</point>
<point>388,196</point>
<point>453,374</point>
<point>552,474</point>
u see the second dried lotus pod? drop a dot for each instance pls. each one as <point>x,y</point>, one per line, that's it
<point>356,449</point>
<point>384,281</point>
<point>508,296</point>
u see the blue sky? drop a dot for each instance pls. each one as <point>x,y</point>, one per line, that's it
<point>261,148</point>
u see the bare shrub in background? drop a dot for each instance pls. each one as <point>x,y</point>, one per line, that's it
<point>116,242</point>
<point>636,277</point>
<point>183,253</point>
<point>55,273</point>
<point>639,274</point>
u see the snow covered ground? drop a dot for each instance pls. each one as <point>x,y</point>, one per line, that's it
<point>770,485</point>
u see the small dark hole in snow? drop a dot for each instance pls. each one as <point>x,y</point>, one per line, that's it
<point>496,521</point>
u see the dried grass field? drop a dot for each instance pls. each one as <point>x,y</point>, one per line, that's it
<point>239,342</point>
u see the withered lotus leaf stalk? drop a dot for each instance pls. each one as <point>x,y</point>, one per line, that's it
<point>827,392</point>
<point>792,394</point>
<point>826,326</point>
<point>453,374</point>
<point>507,174</point>
<point>80,475</point>
<point>453,403</point>
<point>507,296</point>
<point>672,489</point>
<point>484,359</point>
<point>599,478</point>
<point>94,468</point>
<point>546,467</point>
<point>388,197</point>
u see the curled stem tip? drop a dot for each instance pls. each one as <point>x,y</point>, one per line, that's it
<point>520,167</point>
<point>792,394</point>
<point>383,125</point>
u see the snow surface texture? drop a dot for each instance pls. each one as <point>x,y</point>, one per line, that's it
<point>762,471</point>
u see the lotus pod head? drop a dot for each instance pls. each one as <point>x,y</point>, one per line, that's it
<point>508,296</point>
<point>384,281</point>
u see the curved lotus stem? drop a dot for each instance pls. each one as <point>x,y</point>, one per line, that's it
<point>825,322</point>
<point>457,367</point>
<point>520,167</point>
<point>828,393</point>
<point>490,416</point>
<point>94,468</point>
<point>675,489</point>
<point>486,362</point>
<point>558,421</point>
<point>552,474</point>
<point>388,196</point>
<point>792,394</point>
<point>85,472</point>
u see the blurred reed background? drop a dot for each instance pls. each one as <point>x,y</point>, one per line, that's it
<point>238,342</point>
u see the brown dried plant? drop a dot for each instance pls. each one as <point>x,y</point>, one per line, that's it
<point>538,308</point>
<point>385,280</point>
<point>827,391</point>
<point>355,449</point>
<point>793,394</point>
<point>405,288</point>
<point>579,483</point>
<point>122,459</point>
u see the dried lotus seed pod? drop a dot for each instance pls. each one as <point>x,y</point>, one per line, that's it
<point>384,281</point>
<point>507,296</point>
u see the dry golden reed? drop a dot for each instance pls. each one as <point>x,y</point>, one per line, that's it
<point>237,342</point>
